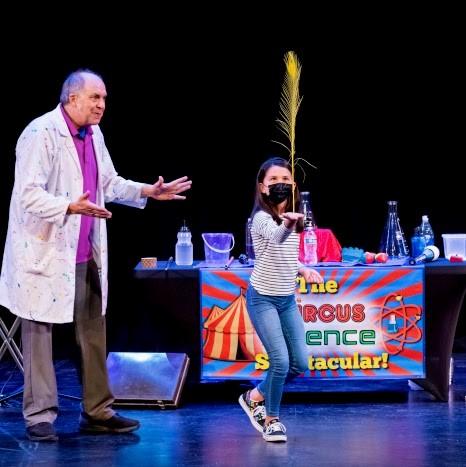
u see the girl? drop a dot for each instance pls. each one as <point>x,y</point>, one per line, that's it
<point>271,294</point>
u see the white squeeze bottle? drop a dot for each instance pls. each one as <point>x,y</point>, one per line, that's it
<point>184,247</point>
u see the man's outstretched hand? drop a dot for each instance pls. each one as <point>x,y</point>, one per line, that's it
<point>165,191</point>
<point>87,208</point>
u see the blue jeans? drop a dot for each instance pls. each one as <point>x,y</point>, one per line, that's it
<point>280,327</point>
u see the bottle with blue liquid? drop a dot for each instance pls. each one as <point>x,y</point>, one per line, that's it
<point>423,236</point>
<point>418,243</point>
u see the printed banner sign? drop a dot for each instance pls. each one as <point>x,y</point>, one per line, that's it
<point>362,322</point>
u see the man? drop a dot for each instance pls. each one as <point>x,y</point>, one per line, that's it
<point>55,261</point>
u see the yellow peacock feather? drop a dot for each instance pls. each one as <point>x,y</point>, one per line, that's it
<point>290,101</point>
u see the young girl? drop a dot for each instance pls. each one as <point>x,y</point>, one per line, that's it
<point>271,294</point>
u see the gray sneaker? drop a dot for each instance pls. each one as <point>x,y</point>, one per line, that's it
<point>254,410</point>
<point>274,431</point>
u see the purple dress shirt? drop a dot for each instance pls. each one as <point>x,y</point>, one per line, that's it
<point>82,138</point>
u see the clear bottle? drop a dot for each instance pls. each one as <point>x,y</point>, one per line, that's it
<point>305,208</point>
<point>426,231</point>
<point>393,241</point>
<point>249,244</point>
<point>308,245</point>
<point>184,247</point>
<point>308,256</point>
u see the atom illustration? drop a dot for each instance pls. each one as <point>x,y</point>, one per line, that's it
<point>398,323</point>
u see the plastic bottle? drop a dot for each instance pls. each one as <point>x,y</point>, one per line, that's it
<point>309,252</point>
<point>308,248</point>
<point>184,247</point>
<point>426,231</point>
<point>393,241</point>
<point>418,243</point>
<point>249,244</point>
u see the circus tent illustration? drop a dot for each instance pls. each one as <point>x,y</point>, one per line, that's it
<point>230,333</point>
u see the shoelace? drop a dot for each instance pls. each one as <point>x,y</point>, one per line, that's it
<point>275,426</point>
<point>259,412</point>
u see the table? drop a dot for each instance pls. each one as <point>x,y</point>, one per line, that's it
<point>166,318</point>
<point>445,285</point>
<point>171,298</point>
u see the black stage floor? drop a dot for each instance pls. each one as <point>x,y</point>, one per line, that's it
<point>337,424</point>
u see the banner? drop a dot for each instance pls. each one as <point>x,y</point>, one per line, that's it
<point>362,322</point>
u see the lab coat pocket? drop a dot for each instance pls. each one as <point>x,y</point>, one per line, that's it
<point>40,257</point>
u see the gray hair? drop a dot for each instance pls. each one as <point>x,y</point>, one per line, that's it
<point>74,83</point>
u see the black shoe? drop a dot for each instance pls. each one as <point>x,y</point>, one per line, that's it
<point>115,424</point>
<point>43,431</point>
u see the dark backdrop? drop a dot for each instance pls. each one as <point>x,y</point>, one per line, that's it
<point>381,119</point>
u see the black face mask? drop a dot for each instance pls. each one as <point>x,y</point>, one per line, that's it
<point>279,192</point>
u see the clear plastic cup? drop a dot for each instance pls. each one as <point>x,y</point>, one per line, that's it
<point>454,245</point>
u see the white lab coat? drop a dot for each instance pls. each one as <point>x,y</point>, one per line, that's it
<point>37,281</point>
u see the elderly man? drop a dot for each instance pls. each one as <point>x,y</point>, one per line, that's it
<point>55,261</point>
